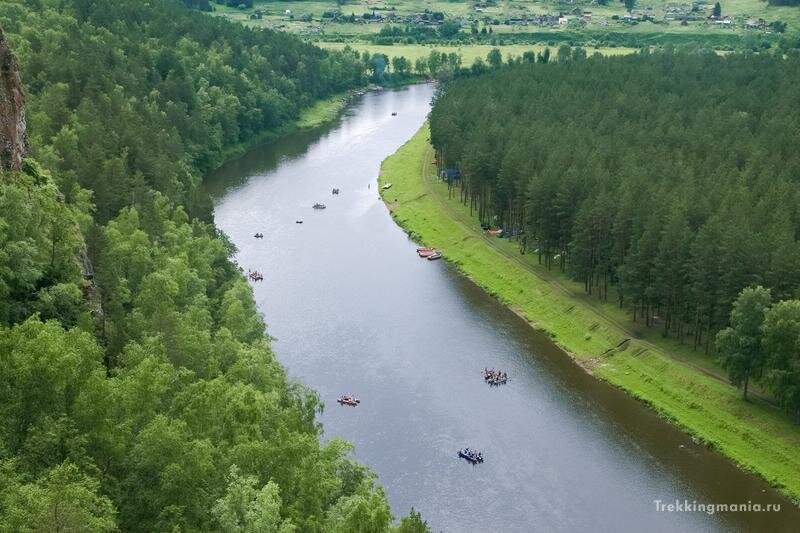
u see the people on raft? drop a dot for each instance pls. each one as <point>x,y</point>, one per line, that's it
<point>472,456</point>
<point>494,377</point>
<point>348,399</point>
<point>255,275</point>
<point>259,235</point>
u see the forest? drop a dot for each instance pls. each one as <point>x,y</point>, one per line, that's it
<point>138,389</point>
<point>187,88</point>
<point>665,181</point>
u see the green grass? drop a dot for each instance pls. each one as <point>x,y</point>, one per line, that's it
<point>468,53</point>
<point>683,386</point>
<point>323,111</point>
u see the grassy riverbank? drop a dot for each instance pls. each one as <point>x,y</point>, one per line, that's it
<point>321,112</point>
<point>681,385</point>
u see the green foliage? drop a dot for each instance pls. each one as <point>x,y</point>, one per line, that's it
<point>413,523</point>
<point>124,97</point>
<point>40,241</point>
<point>612,172</point>
<point>146,397</point>
<point>46,373</point>
<point>740,344</point>
<point>494,58</point>
<point>443,65</point>
<point>781,330</point>
<point>778,26</point>
<point>763,341</point>
<point>246,509</point>
<point>401,65</point>
<point>366,511</point>
<point>62,499</point>
<point>449,29</point>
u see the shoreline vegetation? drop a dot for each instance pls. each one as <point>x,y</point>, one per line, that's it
<point>693,394</point>
<point>317,114</point>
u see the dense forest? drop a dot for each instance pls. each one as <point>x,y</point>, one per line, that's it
<point>185,86</point>
<point>666,181</point>
<point>138,390</point>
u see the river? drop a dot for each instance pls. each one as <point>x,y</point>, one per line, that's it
<point>354,310</point>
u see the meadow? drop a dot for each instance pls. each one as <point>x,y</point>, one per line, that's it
<point>468,53</point>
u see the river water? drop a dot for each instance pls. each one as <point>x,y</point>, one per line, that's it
<point>354,310</point>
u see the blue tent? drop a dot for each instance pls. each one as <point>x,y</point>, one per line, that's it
<point>451,174</point>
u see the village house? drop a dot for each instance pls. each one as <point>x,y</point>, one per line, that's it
<point>721,21</point>
<point>685,12</point>
<point>753,24</point>
<point>647,13</point>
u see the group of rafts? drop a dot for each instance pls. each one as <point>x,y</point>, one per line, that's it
<point>431,254</point>
<point>490,376</point>
<point>472,456</point>
<point>255,275</point>
<point>494,377</point>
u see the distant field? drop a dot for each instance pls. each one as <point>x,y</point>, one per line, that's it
<point>468,53</point>
<point>275,16</point>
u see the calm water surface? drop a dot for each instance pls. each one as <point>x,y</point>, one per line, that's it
<point>355,311</point>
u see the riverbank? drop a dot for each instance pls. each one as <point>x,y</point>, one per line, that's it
<point>324,111</point>
<point>321,112</point>
<point>683,387</point>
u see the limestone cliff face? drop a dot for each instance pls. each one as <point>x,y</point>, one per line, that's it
<point>13,134</point>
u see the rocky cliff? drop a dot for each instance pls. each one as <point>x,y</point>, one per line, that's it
<point>13,135</point>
